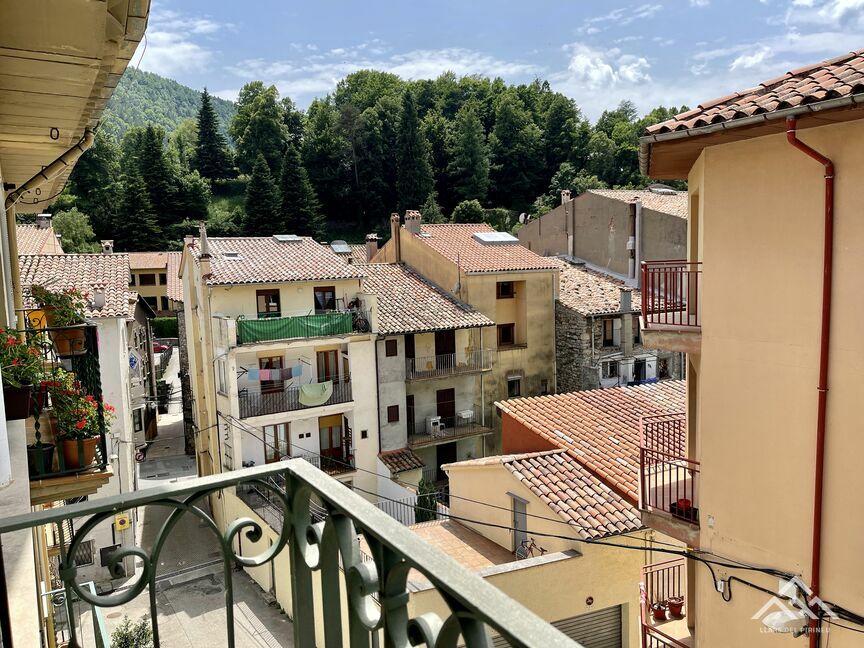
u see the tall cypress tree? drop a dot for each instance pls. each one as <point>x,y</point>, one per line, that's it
<point>469,167</point>
<point>262,200</point>
<point>301,211</point>
<point>157,176</point>
<point>211,155</point>
<point>136,226</point>
<point>414,179</point>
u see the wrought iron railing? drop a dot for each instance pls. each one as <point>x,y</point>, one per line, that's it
<point>669,480</point>
<point>452,427</point>
<point>375,592</point>
<point>269,329</point>
<point>448,364</point>
<point>415,509</point>
<point>288,400</point>
<point>670,294</point>
<point>662,597</point>
<point>65,613</point>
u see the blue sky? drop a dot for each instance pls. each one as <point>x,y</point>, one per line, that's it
<point>656,52</point>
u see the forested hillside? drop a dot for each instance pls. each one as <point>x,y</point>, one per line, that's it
<point>143,98</point>
<point>466,149</point>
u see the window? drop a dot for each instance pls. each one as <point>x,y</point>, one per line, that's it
<point>131,279</point>
<point>504,290</point>
<point>636,331</point>
<point>608,332</point>
<point>148,279</point>
<point>325,298</point>
<point>222,376</point>
<point>506,334</point>
<point>391,348</point>
<point>273,382</point>
<point>163,278</point>
<point>268,303</point>
<point>138,419</point>
<point>514,387</point>
<point>392,413</point>
<point>152,302</point>
<point>663,368</point>
<point>276,442</point>
<point>164,301</point>
<point>609,370</point>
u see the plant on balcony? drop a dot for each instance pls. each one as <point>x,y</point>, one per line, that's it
<point>676,606</point>
<point>78,419</point>
<point>21,366</point>
<point>132,635</point>
<point>64,313</point>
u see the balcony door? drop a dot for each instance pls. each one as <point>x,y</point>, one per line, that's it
<point>445,349</point>
<point>269,304</point>
<point>330,436</point>
<point>328,366</point>
<point>276,442</point>
<point>325,298</point>
<point>273,384</point>
<point>445,406</point>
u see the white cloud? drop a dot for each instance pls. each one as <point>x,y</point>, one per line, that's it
<point>174,42</point>
<point>699,3</point>
<point>747,61</point>
<point>619,17</point>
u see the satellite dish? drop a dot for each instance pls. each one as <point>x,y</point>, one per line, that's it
<point>524,218</point>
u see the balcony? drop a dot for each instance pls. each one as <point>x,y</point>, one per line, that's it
<point>448,364</point>
<point>664,608</point>
<point>452,428</point>
<point>294,398</point>
<point>330,588</point>
<point>671,312</point>
<point>272,329</point>
<point>669,480</point>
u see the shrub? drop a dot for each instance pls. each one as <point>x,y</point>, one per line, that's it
<point>132,635</point>
<point>165,327</point>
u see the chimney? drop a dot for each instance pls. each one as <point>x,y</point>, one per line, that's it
<point>108,246</point>
<point>371,246</point>
<point>625,301</point>
<point>412,221</point>
<point>205,250</point>
<point>43,221</point>
<point>98,301</point>
<point>565,196</point>
<point>394,236</point>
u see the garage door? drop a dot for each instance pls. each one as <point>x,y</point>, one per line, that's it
<point>601,629</point>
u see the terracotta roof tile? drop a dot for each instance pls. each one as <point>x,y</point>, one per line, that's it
<point>148,260</point>
<point>837,77</point>
<point>82,271</point>
<point>256,260</point>
<point>456,243</point>
<point>590,292</point>
<point>600,427</point>
<point>37,240</point>
<point>400,460</point>
<point>674,204</point>
<point>410,303</point>
<point>175,283</point>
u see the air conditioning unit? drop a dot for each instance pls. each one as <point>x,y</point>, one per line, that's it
<point>434,426</point>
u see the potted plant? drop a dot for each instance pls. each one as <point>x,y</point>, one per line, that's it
<point>78,420</point>
<point>658,611</point>
<point>65,315</point>
<point>21,366</point>
<point>676,606</point>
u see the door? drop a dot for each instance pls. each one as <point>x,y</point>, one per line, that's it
<point>600,629</point>
<point>273,366</point>
<point>328,365</point>
<point>639,370</point>
<point>445,349</point>
<point>520,522</point>
<point>444,454</point>
<point>325,298</point>
<point>445,400</point>
<point>268,303</point>
<point>330,436</point>
<point>409,413</point>
<point>409,345</point>
<point>276,443</point>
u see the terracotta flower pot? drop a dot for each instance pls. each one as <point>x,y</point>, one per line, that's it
<point>40,459</point>
<point>75,457</point>
<point>676,606</point>
<point>18,402</point>
<point>658,611</point>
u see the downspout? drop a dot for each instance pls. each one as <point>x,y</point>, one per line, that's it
<point>48,173</point>
<point>822,389</point>
<point>638,263</point>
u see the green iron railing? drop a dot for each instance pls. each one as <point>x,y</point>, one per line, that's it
<point>300,326</point>
<point>318,539</point>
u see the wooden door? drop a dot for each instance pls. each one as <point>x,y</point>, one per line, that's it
<point>444,454</point>
<point>445,349</point>
<point>409,413</point>
<point>445,400</point>
<point>409,345</point>
<point>330,436</point>
<point>328,365</point>
<point>277,445</point>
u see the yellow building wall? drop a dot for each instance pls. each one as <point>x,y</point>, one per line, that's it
<point>760,230</point>
<point>296,298</point>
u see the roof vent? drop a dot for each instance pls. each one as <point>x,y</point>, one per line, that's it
<point>287,238</point>
<point>340,247</point>
<point>231,255</point>
<point>662,189</point>
<point>495,238</point>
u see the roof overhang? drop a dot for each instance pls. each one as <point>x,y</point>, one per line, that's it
<point>61,60</point>
<point>671,155</point>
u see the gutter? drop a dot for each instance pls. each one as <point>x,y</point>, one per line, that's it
<point>646,141</point>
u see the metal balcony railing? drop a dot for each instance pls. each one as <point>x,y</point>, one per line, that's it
<point>669,480</point>
<point>670,294</point>
<point>56,605</point>
<point>453,427</point>
<point>288,400</point>
<point>663,586</point>
<point>448,364</point>
<point>318,539</point>
<point>269,329</point>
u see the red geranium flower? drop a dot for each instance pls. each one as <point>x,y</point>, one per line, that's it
<point>80,424</point>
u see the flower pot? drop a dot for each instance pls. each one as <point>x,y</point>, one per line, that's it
<point>75,457</point>
<point>676,606</point>
<point>40,459</point>
<point>18,402</point>
<point>658,612</point>
<point>69,341</point>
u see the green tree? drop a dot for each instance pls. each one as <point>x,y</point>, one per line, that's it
<point>95,184</point>
<point>136,226</point>
<point>211,158</point>
<point>468,211</point>
<point>469,167</point>
<point>364,88</point>
<point>182,143</point>
<point>262,200</point>
<point>132,635</point>
<point>158,177</point>
<point>326,157</point>
<point>577,181</point>
<point>258,127</point>
<point>76,233</point>
<point>427,504</point>
<point>517,153</point>
<point>293,120</point>
<point>301,211</point>
<point>414,173</point>
<point>431,210</point>
<point>561,123</point>
<point>601,157</point>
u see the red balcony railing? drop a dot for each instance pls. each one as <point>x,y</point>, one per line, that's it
<point>670,294</point>
<point>669,479</point>
<point>662,594</point>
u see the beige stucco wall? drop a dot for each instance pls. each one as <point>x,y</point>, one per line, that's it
<point>296,298</point>
<point>760,228</point>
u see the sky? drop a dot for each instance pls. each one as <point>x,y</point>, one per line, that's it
<point>663,52</point>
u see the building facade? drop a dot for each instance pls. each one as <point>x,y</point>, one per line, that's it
<point>151,277</point>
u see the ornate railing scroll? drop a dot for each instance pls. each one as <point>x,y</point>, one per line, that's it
<point>319,540</point>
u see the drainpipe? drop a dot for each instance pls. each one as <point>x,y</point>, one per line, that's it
<point>48,173</point>
<point>638,263</point>
<point>822,389</point>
